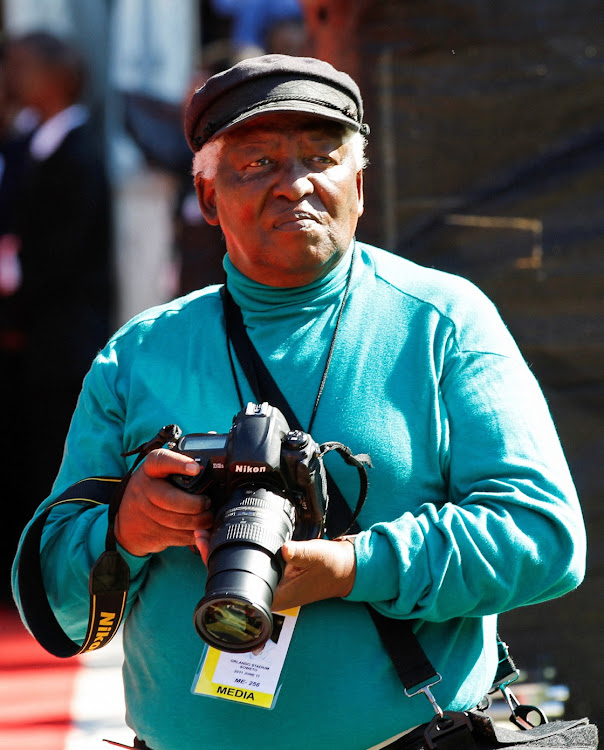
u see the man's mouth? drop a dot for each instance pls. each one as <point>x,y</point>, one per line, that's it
<point>295,219</point>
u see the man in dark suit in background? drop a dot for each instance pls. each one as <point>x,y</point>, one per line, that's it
<point>62,223</point>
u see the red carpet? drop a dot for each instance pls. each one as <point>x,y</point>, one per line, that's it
<point>36,690</point>
<point>48,703</point>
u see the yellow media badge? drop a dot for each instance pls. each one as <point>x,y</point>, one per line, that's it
<point>252,677</point>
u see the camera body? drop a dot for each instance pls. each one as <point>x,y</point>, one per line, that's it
<point>260,449</point>
<point>267,486</point>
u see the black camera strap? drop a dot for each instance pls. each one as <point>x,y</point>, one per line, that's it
<point>264,387</point>
<point>109,579</point>
<point>108,583</point>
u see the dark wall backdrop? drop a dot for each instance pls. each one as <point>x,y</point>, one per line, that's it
<point>487,159</point>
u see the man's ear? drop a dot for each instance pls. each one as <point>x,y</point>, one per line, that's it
<point>206,197</point>
<point>360,195</point>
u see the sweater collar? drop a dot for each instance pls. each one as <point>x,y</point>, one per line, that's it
<point>253,296</point>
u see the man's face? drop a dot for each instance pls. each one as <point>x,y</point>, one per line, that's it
<point>27,76</point>
<point>287,194</point>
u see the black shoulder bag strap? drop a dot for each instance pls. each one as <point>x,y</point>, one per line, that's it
<point>409,659</point>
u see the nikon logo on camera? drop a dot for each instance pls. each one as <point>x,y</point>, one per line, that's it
<point>247,469</point>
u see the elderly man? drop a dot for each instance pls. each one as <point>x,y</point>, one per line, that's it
<point>470,512</point>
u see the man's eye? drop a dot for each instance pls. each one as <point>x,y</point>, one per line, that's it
<point>259,162</point>
<point>320,159</point>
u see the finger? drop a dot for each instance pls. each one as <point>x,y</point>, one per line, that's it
<point>172,519</point>
<point>202,542</point>
<point>156,538</point>
<point>141,534</point>
<point>168,498</point>
<point>160,463</point>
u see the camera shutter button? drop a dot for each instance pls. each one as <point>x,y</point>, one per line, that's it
<point>295,439</point>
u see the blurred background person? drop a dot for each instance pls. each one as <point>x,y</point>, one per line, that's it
<point>13,150</point>
<point>60,299</point>
<point>251,21</point>
<point>16,128</point>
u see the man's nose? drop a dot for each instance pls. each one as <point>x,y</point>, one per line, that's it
<point>293,180</point>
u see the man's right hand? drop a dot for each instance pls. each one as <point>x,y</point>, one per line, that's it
<point>154,514</point>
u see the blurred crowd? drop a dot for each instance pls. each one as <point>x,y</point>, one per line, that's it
<point>57,265</point>
<point>55,257</point>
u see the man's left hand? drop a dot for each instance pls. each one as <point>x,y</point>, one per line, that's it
<point>314,570</point>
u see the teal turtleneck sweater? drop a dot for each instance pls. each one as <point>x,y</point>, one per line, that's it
<point>471,510</point>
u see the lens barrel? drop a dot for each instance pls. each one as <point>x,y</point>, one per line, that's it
<point>244,568</point>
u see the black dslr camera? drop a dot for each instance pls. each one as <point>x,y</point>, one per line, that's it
<point>267,486</point>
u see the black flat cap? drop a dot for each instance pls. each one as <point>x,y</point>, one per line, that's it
<point>272,83</point>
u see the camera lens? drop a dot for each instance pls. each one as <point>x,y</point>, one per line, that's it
<point>234,622</point>
<point>244,568</point>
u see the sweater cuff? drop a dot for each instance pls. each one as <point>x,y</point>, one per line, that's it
<point>136,564</point>
<point>98,536</point>
<point>377,569</point>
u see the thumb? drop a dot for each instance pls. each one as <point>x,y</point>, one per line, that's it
<point>296,553</point>
<point>202,542</point>
<point>161,463</point>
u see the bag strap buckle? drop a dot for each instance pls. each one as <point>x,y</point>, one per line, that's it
<point>451,730</point>
<point>425,689</point>
<point>520,713</point>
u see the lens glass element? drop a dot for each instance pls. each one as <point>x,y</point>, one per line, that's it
<point>233,622</point>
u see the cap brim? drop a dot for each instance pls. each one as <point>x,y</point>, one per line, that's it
<point>297,107</point>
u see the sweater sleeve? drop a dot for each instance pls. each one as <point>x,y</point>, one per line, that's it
<point>510,531</point>
<point>74,533</point>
